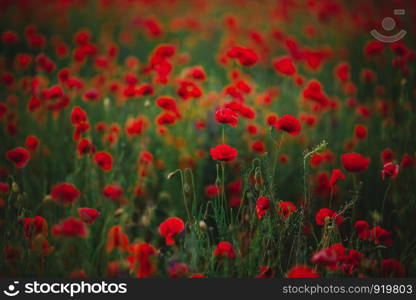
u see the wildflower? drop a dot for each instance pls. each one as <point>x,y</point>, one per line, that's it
<point>85,146</point>
<point>225,249</point>
<point>18,156</point>
<point>212,190</point>
<point>113,192</point>
<point>354,162</point>
<point>325,257</point>
<point>360,132</point>
<point>34,226</point>
<point>285,209</point>
<point>88,215</point>
<point>387,156</point>
<point>177,270</point>
<point>285,66</point>
<point>326,214</point>
<point>223,153</point>
<point>381,236</point>
<point>302,272</point>
<point>262,205</point>
<point>289,124</point>
<point>70,227</point>
<point>65,193</point>
<point>78,116</point>
<point>141,259</point>
<point>335,176</point>
<point>226,116</point>
<point>32,143</point>
<point>104,160</point>
<point>363,229</point>
<point>171,227</point>
<point>390,170</point>
<point>391,268</point>
<point>117,239</point>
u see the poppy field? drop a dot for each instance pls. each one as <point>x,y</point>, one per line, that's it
<point>207,138</point>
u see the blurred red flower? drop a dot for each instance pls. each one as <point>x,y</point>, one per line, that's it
<point>117,239</point>
<point>224,249</point>
<point>32,143</point>
<point>65,193</point>
<point>354,162</point>
<point>226,116</point>
<point>284,65</point>
<point>289,124</point>
<point>325,214</point>
<point>262,205</point>
<point>104,160</point>
<point>171,227</point>
<point>335,176</point>
<point>390,170</point>
<point>285,209</point>
<point>223,153</point>
<point>70,227</point>
<point>88,215</point>
<point>18,156</point>
<point>302,272</point>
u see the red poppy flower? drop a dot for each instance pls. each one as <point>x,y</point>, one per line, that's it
<point>65,193</point>
<point>285,66</point>
<point>88,215</point>
<point>197,275</point>
<point>78,115</point>
<point>226,116</point>
<point>407,161</point>
<point>212,190</point>
<point>354,162</point>
<point>223,153</point>
<point>141,259</point>
<point>336,175</point>
<point>390,170</point>
<point>177,270</point>
<point>262,205</point>
<point>363,229</point>
<point>289,124</point>
<point>18,156</point>
<point>104,160</point>
<point>285,209</point>
<point>70,227</point>
<point>167,103</point>
<point>325,214</point>
<point>117,239</point>
<point>34,226</point>
<point>171,227</point>
<point>381,236</point>
<point>387,155</point>
<point>4,188</point>
<point>85,146</point>
<point>32,143</point>
<point>360,132</point>
<point>342,72</point>
<point>146,158</point>
<point>391,268</point>
<point>325,257</point>
<point>166,118</point>
<point>113,192</point>
<point>302,272</point>
<point>259,147</point>
<point>224,249</point>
